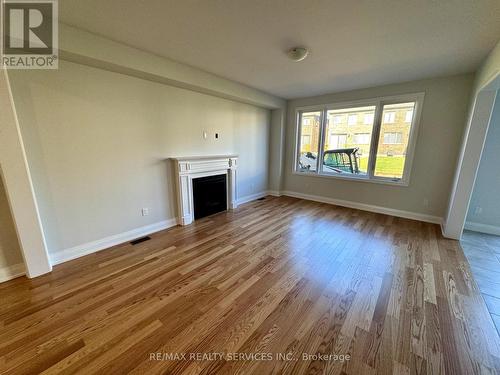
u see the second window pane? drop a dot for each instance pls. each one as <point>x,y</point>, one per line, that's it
<point>309,141</point>
<point>347,140</point>
<point>393,141</point>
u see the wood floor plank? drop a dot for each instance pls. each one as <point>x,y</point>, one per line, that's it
<point>304,284</point>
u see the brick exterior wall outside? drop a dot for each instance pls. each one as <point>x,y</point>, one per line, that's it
<point>342,130</point>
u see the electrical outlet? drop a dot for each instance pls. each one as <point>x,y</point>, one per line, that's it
<point>216,135</point>
<point>145,211</point>
<point>478,210</point>
<point>426,202</point>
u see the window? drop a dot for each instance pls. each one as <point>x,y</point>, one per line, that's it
<point>368,118</point>
<point>392,147</point>
<point>409,116</point>
<point>382,151</point>
<point>309,141</point>
<point>393,138</point>
<point>362,138</point>
<point>389,117</point>
<point>349,160</point>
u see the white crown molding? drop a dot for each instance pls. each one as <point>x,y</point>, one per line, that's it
<point>11,272</point>
<point>104,243</point>
<point>366,207</point>
<point>482,228</point>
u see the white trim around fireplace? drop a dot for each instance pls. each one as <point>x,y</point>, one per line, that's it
<point>188,168</point>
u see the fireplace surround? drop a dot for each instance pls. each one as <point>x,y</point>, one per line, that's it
<point>187,169</point>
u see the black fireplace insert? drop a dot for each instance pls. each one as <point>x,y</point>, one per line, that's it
<point>209,195</point>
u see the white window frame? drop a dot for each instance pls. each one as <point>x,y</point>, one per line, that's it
<point>379,103</point>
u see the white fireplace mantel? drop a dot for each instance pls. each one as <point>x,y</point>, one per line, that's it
<point>191,167</point>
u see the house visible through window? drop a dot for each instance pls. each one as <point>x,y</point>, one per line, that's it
<point>362,138</point>
<point>393,144</point>
<point>393,138</point>
<point>337,141</point>
<point>348,149</point>
<point>389,117</point>
<point>309,140</point>
<point>409,116</point>
<point>368,120</point>
<point>306,140</point>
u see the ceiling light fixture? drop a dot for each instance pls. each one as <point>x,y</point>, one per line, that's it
<point>298,53</point>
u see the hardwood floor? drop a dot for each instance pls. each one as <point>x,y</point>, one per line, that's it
<point>483,253</point>
<point>281,275</point>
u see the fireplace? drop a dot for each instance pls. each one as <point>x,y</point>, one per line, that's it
<point>217,194</point>
<point>209,195</point>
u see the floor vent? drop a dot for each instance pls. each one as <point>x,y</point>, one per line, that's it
<point>261,199</point>
<point>139,240</point>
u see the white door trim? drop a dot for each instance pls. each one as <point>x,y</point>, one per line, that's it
<point>470,156</point>
<point>19,187</point>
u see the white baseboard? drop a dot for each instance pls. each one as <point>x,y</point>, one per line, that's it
<point>91,247</point>
<point>11,272</point>
<point>482,228</point>
<point>252,197</point>
<point>104,243</point>
<point>274,193</point>
<point>367,207</point>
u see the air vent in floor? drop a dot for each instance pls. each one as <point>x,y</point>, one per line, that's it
<point>139,240</point>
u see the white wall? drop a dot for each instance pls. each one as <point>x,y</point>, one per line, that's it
<point>441,127</point>
<point>487,185</point>
<point>97,144</point>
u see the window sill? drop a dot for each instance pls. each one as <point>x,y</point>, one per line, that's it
<point>401,183</point>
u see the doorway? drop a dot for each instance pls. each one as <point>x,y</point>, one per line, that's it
<point>481,236</point>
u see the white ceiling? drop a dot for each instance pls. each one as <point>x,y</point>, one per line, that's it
<point>353,43</point>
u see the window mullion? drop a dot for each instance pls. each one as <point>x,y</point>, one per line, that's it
<point>297,143</point>
<point>322,132</point>
<point>375,139</point>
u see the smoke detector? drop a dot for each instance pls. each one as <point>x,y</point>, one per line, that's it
<point>298,53</point>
